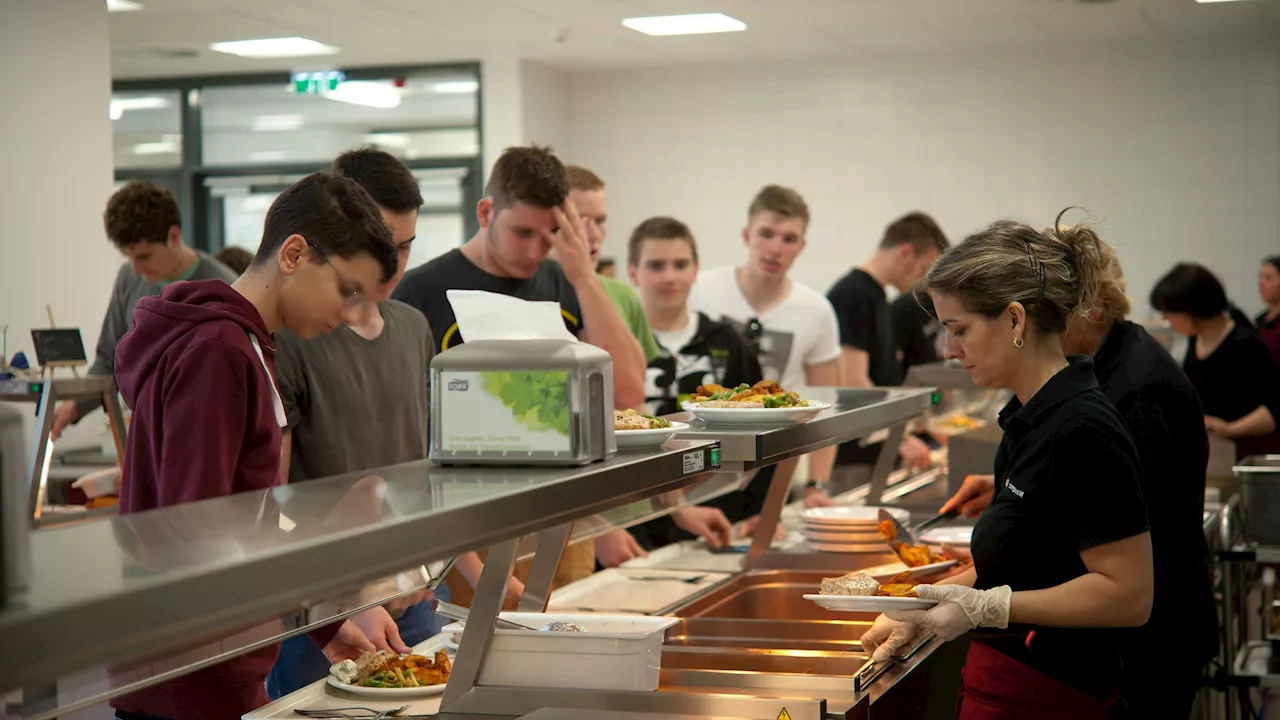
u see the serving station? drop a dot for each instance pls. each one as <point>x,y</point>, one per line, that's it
<point>190,586</point>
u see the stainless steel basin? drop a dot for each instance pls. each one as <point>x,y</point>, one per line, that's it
<point>833,635</point>
<point>795,662</point>
<point>767,595</point>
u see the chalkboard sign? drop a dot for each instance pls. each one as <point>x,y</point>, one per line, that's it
<point>58,346</point>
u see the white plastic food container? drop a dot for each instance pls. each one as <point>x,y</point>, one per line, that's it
<point>617,652</point>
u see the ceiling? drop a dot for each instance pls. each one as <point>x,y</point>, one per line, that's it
<point>171,37</point>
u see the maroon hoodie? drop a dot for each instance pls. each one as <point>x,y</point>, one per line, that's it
<point>204,426</point>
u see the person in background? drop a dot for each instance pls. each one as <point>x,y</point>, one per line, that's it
<point>587,191</point>
<point>237,259</point>
<point>1237,379</point>
<point>357,399</point>
<point>868,342</point>
<point>197,368</point>
<point>606,268</point>
<point>527,211</point>
<point>1268,321</point>
<point>1049,585</point>
<point>662,261</point>
<point>143,222</point>
<point>919,336</point>
<point>1164,659</point>
<point>791,327</point>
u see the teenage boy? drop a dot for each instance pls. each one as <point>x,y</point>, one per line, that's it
<point>197,368</point>
<point>143,222</point>
<point>357,399</point>
<point>587,191</point>
<point>791,327</point>
<point>868,343</point>
<point>526,211</point>
<point>662,261</point>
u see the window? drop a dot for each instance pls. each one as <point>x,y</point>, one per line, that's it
<point>146,129</point>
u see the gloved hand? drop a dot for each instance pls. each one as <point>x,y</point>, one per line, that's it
<point>886,636</point>
<point>959,610</point>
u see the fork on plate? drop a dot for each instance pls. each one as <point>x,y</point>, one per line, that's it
<point>356,713</point>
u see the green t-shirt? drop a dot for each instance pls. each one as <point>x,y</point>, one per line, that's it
<point>632,312</point>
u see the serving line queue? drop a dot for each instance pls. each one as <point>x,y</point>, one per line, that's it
<point>206,345</point>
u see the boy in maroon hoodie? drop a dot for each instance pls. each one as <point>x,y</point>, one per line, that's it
<point>198,371</point>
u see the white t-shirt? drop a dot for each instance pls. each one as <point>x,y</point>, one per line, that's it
<point>800,331</point>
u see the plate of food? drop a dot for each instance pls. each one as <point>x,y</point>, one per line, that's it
<point>633,430</point>
<point>912,556</point>
<point>892,569</point>
<point>392,676</point>
<point>859,592</point>
<point>763,403</point>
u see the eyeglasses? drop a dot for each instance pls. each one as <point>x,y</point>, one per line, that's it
<point>351,296</point>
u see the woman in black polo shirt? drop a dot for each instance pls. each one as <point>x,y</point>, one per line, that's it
<point>1238,382</point>
<point>1268,321</point>
<point>1053,577</point>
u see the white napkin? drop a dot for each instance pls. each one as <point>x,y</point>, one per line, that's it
<point>490,316</point>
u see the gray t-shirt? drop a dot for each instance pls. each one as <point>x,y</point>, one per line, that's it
<point>355,404</point>
<point>125,294</point>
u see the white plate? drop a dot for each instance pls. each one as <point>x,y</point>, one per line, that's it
<point>863,603</point>
<point>879,547</point>
<point>867,515</point>
<point>957,535</point>
<point>754,416</point>
<point>836,536</point>
<point>636,439</point>
<point>884,572</point>
<point>428,649</point>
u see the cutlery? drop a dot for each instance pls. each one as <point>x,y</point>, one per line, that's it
<point>694,580</point>
<point>349,713</point>
<point>936,519</point>
<point>459,613</point>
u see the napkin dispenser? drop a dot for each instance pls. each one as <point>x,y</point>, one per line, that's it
<point>522,402</point>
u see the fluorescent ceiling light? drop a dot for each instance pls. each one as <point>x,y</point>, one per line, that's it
<point>1214,1</point>
<point>696,24</point>
<point>460,87</point>
<point>164,147</point>
<point>274,48</point>
<point>123,6</point>
<point>276,123</point>
<point>119,105</point>
<point>367,93</point>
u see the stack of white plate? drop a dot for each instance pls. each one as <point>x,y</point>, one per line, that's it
<point>955,535</point>
<point>847,528</point>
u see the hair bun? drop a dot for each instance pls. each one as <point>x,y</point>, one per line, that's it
<point>1089,256</point>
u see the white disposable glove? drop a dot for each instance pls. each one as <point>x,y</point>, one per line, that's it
<point>959,610</point>
<point>886,636</point>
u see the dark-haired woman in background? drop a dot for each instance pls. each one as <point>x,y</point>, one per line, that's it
<point>1050,584</point>
<point>1238,381</point>
<point>1268,322</point>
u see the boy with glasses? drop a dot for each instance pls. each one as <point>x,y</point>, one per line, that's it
<point>198,370</point>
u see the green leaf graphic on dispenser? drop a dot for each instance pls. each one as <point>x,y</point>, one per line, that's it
<point>538,400</point>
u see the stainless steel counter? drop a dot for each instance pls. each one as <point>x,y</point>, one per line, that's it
<point>855,413</point>
<point>132,586</point>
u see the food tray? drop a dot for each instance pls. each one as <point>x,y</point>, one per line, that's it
<point>632,590</point>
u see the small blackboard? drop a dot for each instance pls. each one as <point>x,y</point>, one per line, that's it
<point>58,346</point>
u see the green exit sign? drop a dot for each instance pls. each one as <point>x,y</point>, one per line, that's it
<point>315,83</point>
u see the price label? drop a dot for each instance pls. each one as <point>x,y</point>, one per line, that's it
<point>693,462</point>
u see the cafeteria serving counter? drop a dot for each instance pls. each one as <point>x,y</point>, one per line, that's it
<point>159,594</point>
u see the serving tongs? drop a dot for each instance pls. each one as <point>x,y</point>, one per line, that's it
<point>911,536</point>
<point>459,613</point>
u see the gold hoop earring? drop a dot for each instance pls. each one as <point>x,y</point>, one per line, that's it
<point>1018,343</point>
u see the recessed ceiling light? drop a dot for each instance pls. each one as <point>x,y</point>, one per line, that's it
<point>276,123</point>
<point>274,48</point>
<point>367,93</point>
<point>120,105</point>
<point>460,87</point>
<point>696,24</point>
<point>123,6</point>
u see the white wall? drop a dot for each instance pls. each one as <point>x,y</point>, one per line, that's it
<point>55,139</point>
<point>544,95</point>
<point>1179,149</point>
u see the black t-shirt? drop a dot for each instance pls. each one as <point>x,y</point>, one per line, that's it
<point>916,329</point>
<point>1236,378</point>
<point>424,288</point>
<point>865,324</point>
<point>862,311</point>
<point>715,354</point>
<point>1160,408</point>
<point>1066,481</point>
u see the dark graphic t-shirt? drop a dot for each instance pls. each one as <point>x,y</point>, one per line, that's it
<point>424,288</point>
<point>714,354</point>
